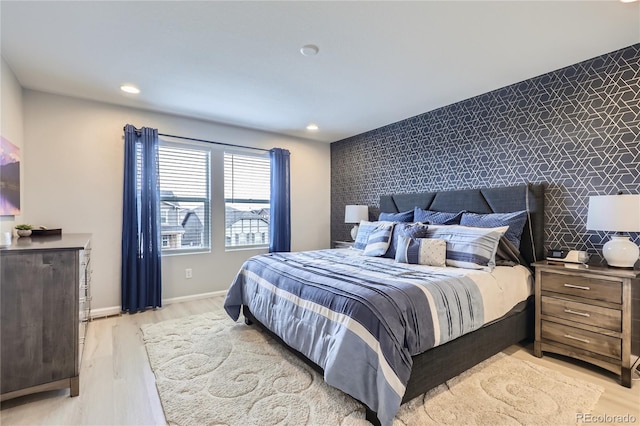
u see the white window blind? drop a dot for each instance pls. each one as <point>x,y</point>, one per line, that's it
<point>185,203</point>
<point>246,177</point>
<point>247,196</point>
<point>185,172</point>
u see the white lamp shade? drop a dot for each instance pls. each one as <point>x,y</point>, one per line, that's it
<point>355,213</point>
<point>617,213</point>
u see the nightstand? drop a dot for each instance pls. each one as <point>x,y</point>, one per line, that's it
<point>343,244</point>
<point>585,312</point>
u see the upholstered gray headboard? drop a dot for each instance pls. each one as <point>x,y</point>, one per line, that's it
<point>486,200</point>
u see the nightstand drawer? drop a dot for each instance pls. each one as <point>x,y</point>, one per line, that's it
<point>590,288</point>
<point>597,316</point>
<point>592,342</point>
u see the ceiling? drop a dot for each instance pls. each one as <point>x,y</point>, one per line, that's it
<point>239,62</point>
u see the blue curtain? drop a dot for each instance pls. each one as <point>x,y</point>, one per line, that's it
<point>280,221</point>
<point>141,277</point>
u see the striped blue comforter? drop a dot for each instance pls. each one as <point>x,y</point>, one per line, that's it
<point>359,318</point>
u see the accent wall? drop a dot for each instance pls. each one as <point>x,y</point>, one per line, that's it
<point>576,129</point>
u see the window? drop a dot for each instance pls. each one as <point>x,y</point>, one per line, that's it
<point>247,197</point>
<point>185,200</point>
<point>164,215</point>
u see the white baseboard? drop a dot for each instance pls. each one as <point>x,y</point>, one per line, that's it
<point>105,312</point>
<point>116,310</point>
<point>193,297</point>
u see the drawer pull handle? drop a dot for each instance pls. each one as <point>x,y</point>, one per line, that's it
<point>579,287</point>
<point>568,336</point>
<point>582,314</point>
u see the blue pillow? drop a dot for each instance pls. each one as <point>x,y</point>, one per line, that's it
<point>378,241</point>
<point>437,218</point>
<point>412,230</point>
<point>515,221</point>
<point>397,217</point>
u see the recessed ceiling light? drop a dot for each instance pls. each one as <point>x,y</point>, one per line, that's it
<point>628,1</point>
<point>129,89</point>
<point>312,127</point>
<point>309,50</point>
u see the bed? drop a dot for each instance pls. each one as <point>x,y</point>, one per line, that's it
<point>284,293</point>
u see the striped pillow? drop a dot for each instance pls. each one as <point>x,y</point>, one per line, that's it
<point>379,239</point>
<point>467,247</point>
<point>364,230</point>
<point>421,251</point>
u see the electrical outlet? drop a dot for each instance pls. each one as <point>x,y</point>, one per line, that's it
<point>188,273</point>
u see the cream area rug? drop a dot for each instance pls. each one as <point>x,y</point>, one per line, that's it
<point>212,371</point>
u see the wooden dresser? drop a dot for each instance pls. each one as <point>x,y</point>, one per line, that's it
<point>45,301</point>
<point>586,312</point>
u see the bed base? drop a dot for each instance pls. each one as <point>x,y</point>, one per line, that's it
<point>437,365</point>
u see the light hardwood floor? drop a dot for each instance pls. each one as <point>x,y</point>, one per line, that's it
<point>117,386</point>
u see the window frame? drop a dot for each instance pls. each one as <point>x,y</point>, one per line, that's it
<point>245,153</point>
<point>207,201</point>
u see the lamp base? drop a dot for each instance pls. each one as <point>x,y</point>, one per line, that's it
<point>621,252</point>
<point>354,232</point>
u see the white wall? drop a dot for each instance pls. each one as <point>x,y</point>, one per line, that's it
<point>12,129</point>
<point>74,175</point>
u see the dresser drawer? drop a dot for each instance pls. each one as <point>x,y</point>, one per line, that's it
<point>592,342</point>
<point>610,319</point>
<point>590,288</point>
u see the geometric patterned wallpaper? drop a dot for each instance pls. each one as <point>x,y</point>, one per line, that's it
<point>576,129</point>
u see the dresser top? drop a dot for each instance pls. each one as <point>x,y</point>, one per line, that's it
<point>588,268</point>
<point>53,242</point>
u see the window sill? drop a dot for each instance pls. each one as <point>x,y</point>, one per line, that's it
<point>182,252</point>
<point>245,248</point>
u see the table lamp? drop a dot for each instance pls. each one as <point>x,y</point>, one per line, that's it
<point>616,213</point>
<point>354,214</point>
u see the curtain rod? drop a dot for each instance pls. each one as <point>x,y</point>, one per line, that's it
<point>213,142</point>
